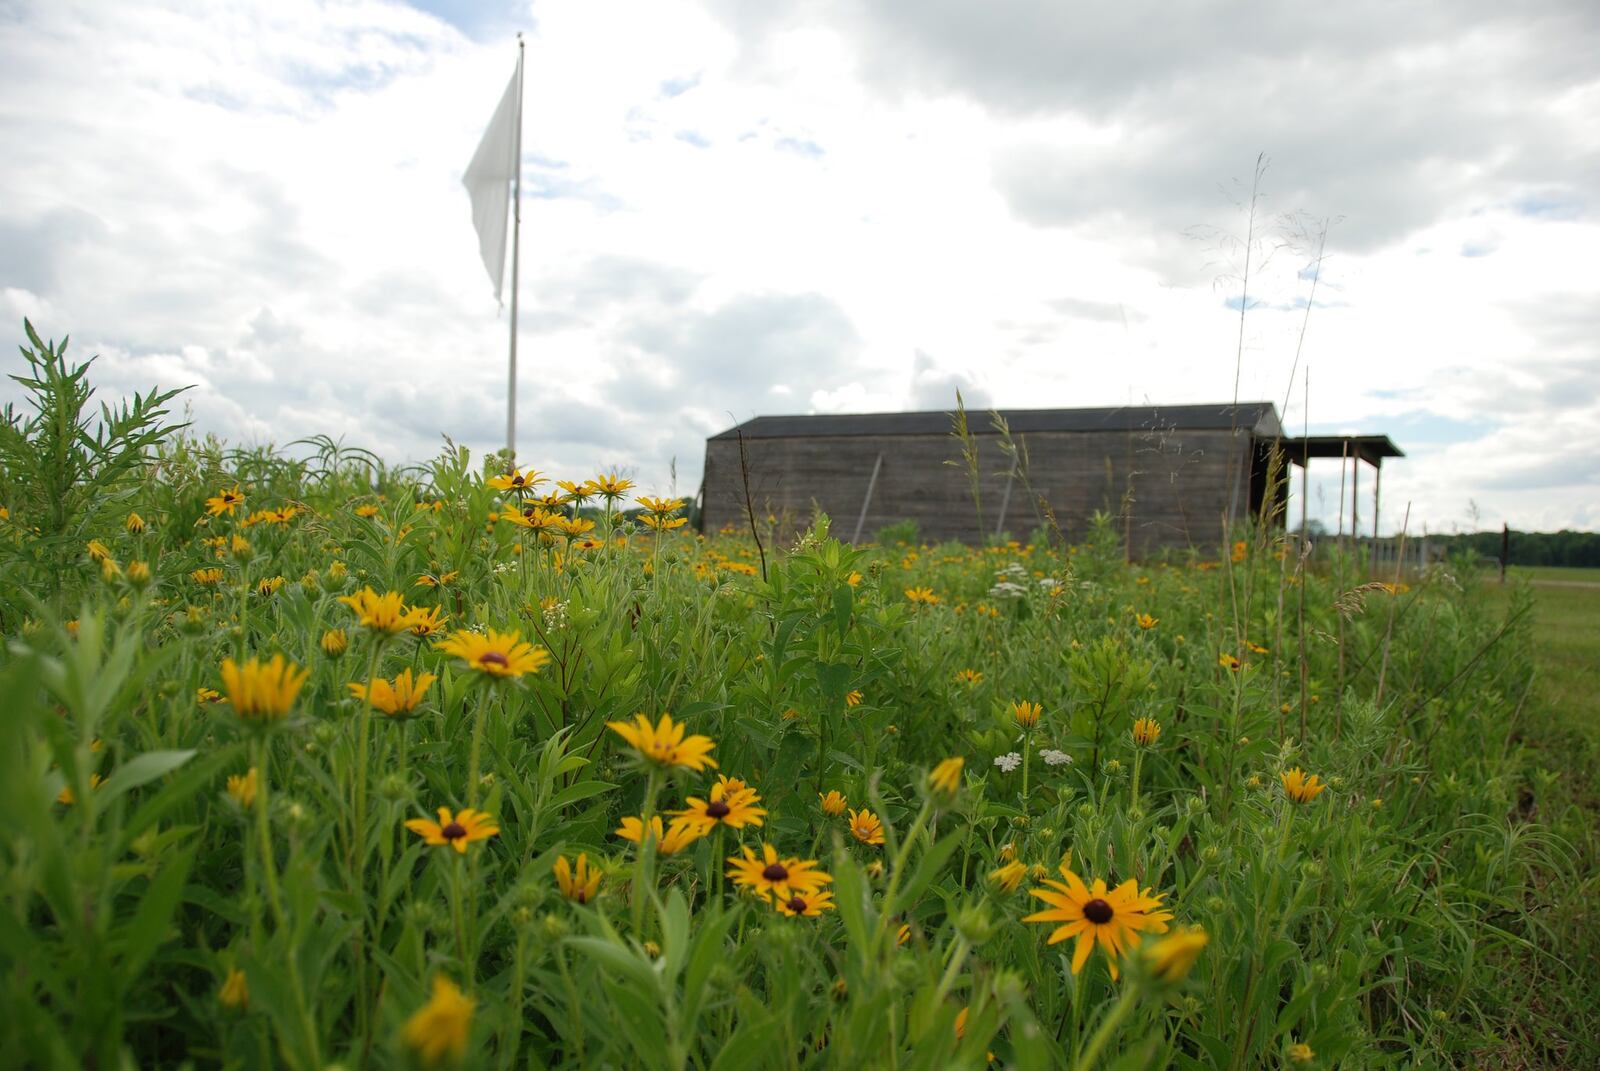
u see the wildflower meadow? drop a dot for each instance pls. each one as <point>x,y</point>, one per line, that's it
<point>312,762</point>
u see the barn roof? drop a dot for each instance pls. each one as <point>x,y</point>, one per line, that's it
<point>1261,418</point>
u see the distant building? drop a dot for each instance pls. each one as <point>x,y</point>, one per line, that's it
<point>1172,476</point>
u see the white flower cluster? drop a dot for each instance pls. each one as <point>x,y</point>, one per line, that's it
<point>1007,590</point>
<point>1052,757</point>
<point>555,616</point>
<point>1008,762</point>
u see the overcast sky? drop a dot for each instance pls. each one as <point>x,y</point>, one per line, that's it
<point>736,208</point>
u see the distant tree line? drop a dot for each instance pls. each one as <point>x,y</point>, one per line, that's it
<point>1530,548</point>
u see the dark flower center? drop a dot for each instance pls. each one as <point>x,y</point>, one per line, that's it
<point>775,872</point>
<point>516,481</point>
<point>494,658</point>
<point>453,831</point>
<point>582,897</point>
<point>1098,912</point>
<point>717,809</point>
<point>797,905</point>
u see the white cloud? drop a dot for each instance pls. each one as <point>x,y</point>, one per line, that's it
<point>734,209</point>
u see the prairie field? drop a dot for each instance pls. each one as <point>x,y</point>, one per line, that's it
<point>311,762</point>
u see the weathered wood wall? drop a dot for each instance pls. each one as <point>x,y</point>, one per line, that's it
<point>1179,485</point>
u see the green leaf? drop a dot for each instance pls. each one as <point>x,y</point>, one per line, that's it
<point>147,930</point>
<point>142,770</point>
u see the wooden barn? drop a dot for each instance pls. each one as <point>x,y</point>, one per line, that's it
<point>1173,476</point>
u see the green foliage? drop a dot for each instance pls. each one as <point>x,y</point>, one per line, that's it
<point>1375,923</point>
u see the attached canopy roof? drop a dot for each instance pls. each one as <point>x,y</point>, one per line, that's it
<point>1259,418</point>
<point>1369,448</point>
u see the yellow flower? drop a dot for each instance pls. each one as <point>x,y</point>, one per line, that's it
<point>969,676</point>
<point>427,621</point>
<point>903,934</point>
<point>268,586</point>
<point>457,831</point>
<point>1026,714</point>
<point>1008,852</point>
<point>398,698</point>
<point>440,1029</point>
<point>1300,788</point>
<point>768,874</point>
<point>1146,731</point>
<point>1300,1053</point>
<point>109,570</point>
<point>498,654</point>
<point>807,904</point>
<point>238,546</point>
<point>534,518</point>
<point>1239,549</point>
<point>207,695</point>
<point>337,570</point>
<point>517,481</point>
<point>854,579</point>
<point>262,691</point>
<point>575,491</point>
<point>866,827</point>
<point>368,511</point>
<point>833,804</point>
<point>243,788</point>
<point>661,523</point>
<point>610,487</point>
<point>235,991</point>
<point>1146,622</point>
<point>334,642</point>
<point>660,505</point>
<point>1113,917</point>
<point>434,580</point>
<point>670,840</point>
<point>579,884</point>
<point>98,551</point>
<point>1227,661</point>
<point>737,808</point>
<point>382,613</point>
<point>853,698</point>
<point>134,523</point>
<point>138,574</point>
<point>573,527</point>
<point>945,778</point>
<point>665,743</point>
<point>224,502</point>
<point>922,595</point>
<point>1009,876</point>
<point>961,1022</point>
<point>1171,958</point>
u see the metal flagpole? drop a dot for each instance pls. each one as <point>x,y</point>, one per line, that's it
<point>516,243</point>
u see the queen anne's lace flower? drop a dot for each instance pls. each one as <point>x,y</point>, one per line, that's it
<point>1008,762</point>
<point>1052,757</point>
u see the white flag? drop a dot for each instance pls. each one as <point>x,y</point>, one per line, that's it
<point>488,178</point>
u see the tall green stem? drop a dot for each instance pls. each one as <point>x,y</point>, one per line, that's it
<point>1108,1026</point>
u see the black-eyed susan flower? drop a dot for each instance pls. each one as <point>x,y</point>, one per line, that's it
<point>833,804</point>
<point>139,573</point>
<point>68,797</point>
<point>1299,787</point>
<point>396,698</point>
<point>455,830</point>
<point>269,586</point>
<point>367,511</point>
<point>498,654</point>
<point>242,788</point>
<point>661,522</point>
<point>235,991</point>
<point>1115,918</point>
<point>866,827</point>
<point>767,874</point>
<point>1228,662</point>
<point>969,677</point>
<point>435,580</point>
<point>945,778</point>
<point>224,502</point>
<point>1146,731</point>
<point>925,596</point>
<point>207,577</point>
<point>669,840</point>
<point>1008,877</point>
<point>665,743</point>
<point>98,551</point>
<point>853,698</point>
<point>534,518</point>
<point>903,933</point>
<point>334,642</point>
<point>609,487</point>
<point>262,691</point>
<point>721,807</point>
<point>207,695</point>
<point>580,883</point>
<point>1146,622</point>
<point>518,481</point>
<point>804,904</point>
<point>1171,958</point>
<point>386,613</point>
<point>440,1028</point>
<point>660,505</point>
<point>135,523</point>
<point>1300,1053</point>
<point>1026,714</point>
<point>427,622</point>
